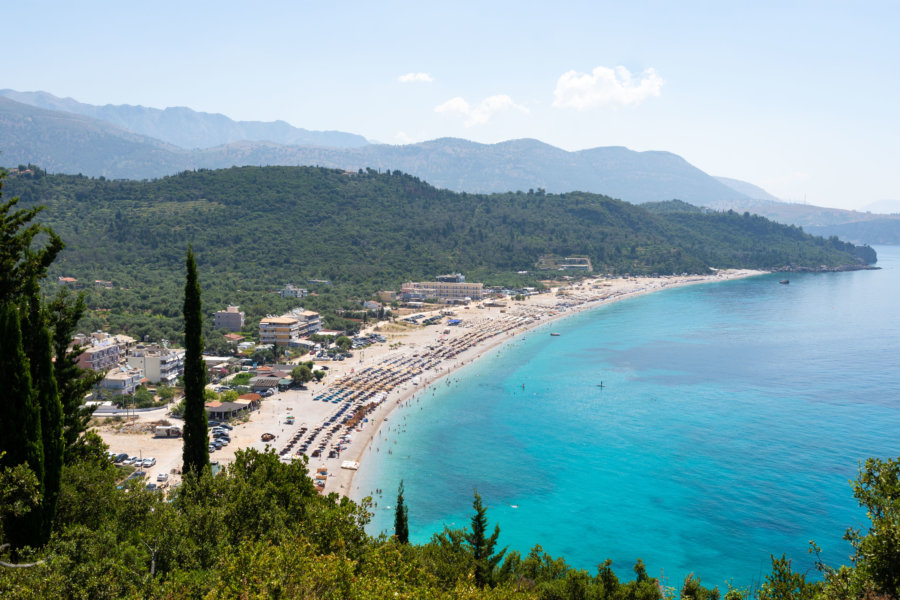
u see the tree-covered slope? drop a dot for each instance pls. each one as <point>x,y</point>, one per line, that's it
<point>254,229</point>
<point>277,222</point>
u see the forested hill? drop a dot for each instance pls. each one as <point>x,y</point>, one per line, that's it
<point>279,224</point>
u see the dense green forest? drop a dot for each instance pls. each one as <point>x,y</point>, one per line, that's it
<point>253,229</point>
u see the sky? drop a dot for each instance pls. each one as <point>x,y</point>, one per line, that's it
<point>800,98</point>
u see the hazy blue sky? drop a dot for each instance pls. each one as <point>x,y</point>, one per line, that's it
<point>800,98</point>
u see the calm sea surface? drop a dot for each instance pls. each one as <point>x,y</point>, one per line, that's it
<point>732,418</point>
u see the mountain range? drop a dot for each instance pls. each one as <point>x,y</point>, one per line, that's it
<point>188,128</point>
<point>135,142</point>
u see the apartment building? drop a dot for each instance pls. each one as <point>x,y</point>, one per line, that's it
<point>159,364</point>
<point>441,290</point>
<point>287,329</point>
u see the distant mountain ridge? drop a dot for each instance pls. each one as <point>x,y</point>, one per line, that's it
<point>465,166</point>
<point>187,128</point>
<point>63,141</point>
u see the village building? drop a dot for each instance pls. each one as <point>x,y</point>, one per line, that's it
<point>444,291</point>
<point>121,381</point>
<point>288,329</point>
<point>290,291</point>
<point>232,319</point>
<point>160,364</point>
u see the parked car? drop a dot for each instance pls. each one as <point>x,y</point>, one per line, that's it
<point>226,426</point>
<point>162,477</point>
<point>149,462</point>
<point>212,448</point>
<point>120,458</point>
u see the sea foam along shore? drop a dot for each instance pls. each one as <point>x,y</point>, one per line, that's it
<point>436,352</point>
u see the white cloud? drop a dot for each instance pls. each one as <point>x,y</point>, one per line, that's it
<point>605,87</point>
<point>403,138</point>
<point>482,112</point>
<point>415,78</point>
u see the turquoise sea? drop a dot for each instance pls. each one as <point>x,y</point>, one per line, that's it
<point>733,417</point>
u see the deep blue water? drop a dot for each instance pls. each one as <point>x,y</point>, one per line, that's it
<point>733,417</point>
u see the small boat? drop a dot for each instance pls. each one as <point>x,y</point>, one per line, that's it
<point>785,281</point>
<point>555,334</point>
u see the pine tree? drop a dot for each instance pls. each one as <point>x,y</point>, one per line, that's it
<point>482,548</point>
<point>401,524</point>
<point>195,454</point>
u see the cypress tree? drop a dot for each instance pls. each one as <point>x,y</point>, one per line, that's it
<point>31,423</point>
<point>51,428</point>
<point>401,524</point>
<point>36,343</point>
<point>20,427</point>
<point>195,453</point>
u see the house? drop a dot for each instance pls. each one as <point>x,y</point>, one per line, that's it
<point>290,291</point>
<point>264,384</point>
<point>223,411</point>
<point>251,400</point>
<point>372,305</point>
<point>122,381</point>
<point>70,281</point>
<point>232,319</point>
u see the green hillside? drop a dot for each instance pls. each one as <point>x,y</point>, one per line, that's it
<point>254,229</point>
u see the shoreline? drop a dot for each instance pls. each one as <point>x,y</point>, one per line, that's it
<point>359,449</point>
<point>382,378</point>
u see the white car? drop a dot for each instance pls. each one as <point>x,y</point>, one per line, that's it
<point>148,462</point>
<point>162,477</point>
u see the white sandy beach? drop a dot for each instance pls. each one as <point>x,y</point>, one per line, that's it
<point>382,377</point>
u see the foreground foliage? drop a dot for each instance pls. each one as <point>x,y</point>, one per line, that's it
<point>259,530</point>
